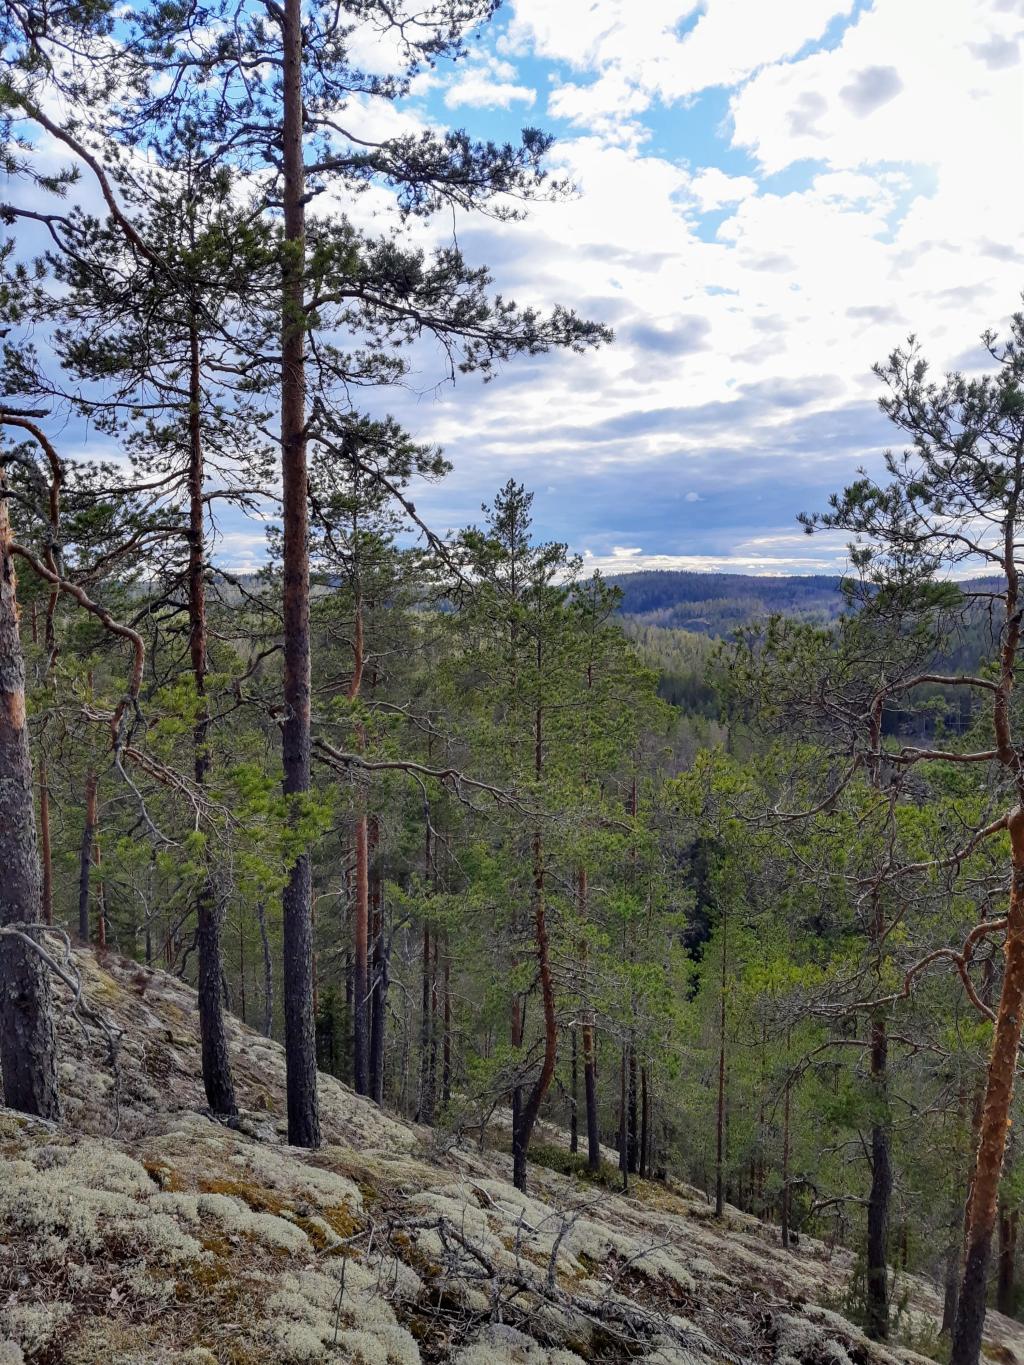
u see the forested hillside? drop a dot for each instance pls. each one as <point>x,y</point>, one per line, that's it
<point>717,603</point>
<point>420,854</point>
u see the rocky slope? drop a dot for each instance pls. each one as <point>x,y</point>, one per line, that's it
<point>140,1230</point>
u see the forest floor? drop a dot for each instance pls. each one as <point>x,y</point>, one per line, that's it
<point>142,1230</point>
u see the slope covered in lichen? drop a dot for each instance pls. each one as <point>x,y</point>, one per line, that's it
<point>141,1230</point>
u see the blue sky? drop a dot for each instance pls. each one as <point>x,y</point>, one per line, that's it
<point>769,198</point>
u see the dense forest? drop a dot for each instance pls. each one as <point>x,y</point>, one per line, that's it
<point>717,603</point>
<point>724,875</point>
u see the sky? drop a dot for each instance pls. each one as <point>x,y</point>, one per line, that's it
<point>768,198</point>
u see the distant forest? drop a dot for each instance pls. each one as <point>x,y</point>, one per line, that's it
<point>717,603</point>
<point>678,619</point>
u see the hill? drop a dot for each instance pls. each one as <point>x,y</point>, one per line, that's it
<point>142,1231</point>
<point>716,603</point>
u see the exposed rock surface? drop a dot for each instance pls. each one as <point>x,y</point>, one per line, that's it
<point>141,1230</point>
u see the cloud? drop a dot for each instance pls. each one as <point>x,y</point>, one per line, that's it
<point>713,189</point>
<point>870,89</point>
<point>666,48</point>
<point>683,337</point>
<point>480,92</point>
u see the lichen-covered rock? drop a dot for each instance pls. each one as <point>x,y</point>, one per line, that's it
<point>179,1240</point>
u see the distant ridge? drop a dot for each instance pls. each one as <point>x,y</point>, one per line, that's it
<point>717,603</point>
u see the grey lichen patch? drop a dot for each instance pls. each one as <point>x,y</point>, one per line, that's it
<point>502,1345</point>
<point>187,1242</point>
<point>33,1325</point>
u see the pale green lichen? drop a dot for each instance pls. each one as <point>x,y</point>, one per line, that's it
<point>502,1345</point>
<point>33,1325</point>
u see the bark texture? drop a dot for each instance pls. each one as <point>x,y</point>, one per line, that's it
<point>527,1117</point>
<point>217,1079</point>
<point>981,1210</point>
<point>85,857</point>
<point>360,972</point>
<point>299,1023</point>
<point>28,1049</point>
<point>880,1195</point>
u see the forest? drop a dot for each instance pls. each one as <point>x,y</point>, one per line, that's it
<point>715,883</point>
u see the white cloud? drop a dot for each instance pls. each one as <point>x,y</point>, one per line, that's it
<point>480,91</point>
<point>636,561</point>
<point>655,47</point>
<point>714,189</point>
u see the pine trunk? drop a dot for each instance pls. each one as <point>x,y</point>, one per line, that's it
<point>523,1131</point>
<point>360,974</point>
<point>299,1026</point>
<point>446,1064</point>
<point>1006,1281</point>
<point>85,858</point>
<point>574,1127</point>
<point>645,1124</point>
<point>981,1213</point>
<point>589,1057</point>
<point>880,1196</point>
<point>378,994</point>
<point>785,1209</point>
<point>633,1142</point>
<point>268,973</point>
<point>217,1079</point>
<point>28,1048</point>
<point>44,835</point>
<point>426,1106</point>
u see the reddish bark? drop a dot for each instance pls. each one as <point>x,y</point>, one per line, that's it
<point>995,1119</point>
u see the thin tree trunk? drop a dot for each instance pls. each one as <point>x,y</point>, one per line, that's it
<point>425,1113</point>
<point>241,965</point>
<point>360,975</point>
<point>720,1116</point>
<point>433,1020</point>
<point>589,1058</point>
<point>574,1127</point>
<point>645,1123</point>
<point>785,1208</point>
<point>528,1115</point>
<point>951,1290</point>
<point>1006,1281</point>
<point>877,1325</point>
<point>446,1064</point>
<point>101,891</point>
<point>268,972</point>
<point>85,857</point>
<point>299,1024</point>
<point>623,1159</point>
<point>28,1048</point>
<point>379,990</point>
<point>632,1137</point>
<point>216,1059</point>
<point>44,834</point>
<point>981,1213</point>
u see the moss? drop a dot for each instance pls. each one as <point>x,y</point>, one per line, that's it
<point>216,1276</point>
<point>164,1176</point>
<point>106,989</point>
<point>574,1164</point>
<point>257,1197</point>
